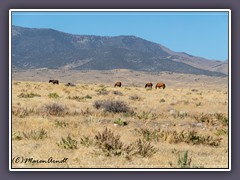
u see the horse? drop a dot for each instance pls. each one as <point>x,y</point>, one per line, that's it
<point>149,85</point>
<point>54,81</point>
<point>159,85</point>
<point>118,84</point>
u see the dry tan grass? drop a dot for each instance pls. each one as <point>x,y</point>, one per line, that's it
<point>169,109</point>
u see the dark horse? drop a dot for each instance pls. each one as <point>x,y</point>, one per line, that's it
<point>118,84</point>
<point>54,81</point>
<point>149,85</point>
<point>159,85</point>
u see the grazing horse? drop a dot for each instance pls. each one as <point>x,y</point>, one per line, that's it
<point>149,85</point>
<point>54,81</point>
<point>118,84</point>
<point>159,85</point>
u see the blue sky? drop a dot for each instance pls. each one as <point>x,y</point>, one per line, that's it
<point>203,34</point>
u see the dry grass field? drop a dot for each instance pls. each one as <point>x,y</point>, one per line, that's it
<point>95,125</point>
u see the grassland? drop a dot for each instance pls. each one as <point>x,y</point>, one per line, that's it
<point>99,126</point>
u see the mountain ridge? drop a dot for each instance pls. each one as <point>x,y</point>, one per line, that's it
<point>48,48</point>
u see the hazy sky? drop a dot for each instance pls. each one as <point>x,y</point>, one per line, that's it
<point>203,34</point>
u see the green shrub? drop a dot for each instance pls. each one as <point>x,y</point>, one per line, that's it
<point>31,95</point>
<point>16,136</point>
<point>144,148</point>
<point>184,161</point>
<point>53,95</point>
<point>23,112</point>
<point>35,135</point>
<point>88,97</point>
<point>68,143</point>
<point>60,124</point>
<point>148,134</point>
<point>77,98</point>
<point>120,122</point>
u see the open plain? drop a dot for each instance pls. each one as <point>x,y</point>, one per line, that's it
<point>96,125</point>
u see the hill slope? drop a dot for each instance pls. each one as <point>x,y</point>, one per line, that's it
<point>47,48</point>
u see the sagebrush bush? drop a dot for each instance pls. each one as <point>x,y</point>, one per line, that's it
<point>144,148</point>
<point>109,143</point>
<point>54,109</point>
<point>112,106</point>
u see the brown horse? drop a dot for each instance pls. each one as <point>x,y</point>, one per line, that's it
<point>118,84</point>
<point>149,85</point>
<point>54,81</point>
<point>159,85</point>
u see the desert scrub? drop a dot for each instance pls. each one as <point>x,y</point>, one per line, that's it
<point>119,93</point>
<point>35,135</point>
<point>135,98</point>
<point>60,124</point>
<point>22,112</point>
<point>189,137</point>
<point>86,141</point>
<point>87,97</point>
<point>16,135</point>
<point>109,143</point>
<point>102,91</point>
<point>180,114</point>
<point>68,143</point>
<point>28,95</point>
<point>112,106</point>
<point>148,134</point>
<point>77,98</point>
<point>143,148</point>
<point>221,132</point>
<point>198,104</point>
<point>147,115</point>
<point>162,100</point>
<point>212,119</point>
<point>54,109</point>
<point>221,118</point>
<point>53,95</point>
<point>120,122</point>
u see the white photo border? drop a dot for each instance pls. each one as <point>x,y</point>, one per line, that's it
<point>120,10</point>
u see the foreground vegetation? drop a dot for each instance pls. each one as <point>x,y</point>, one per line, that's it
<point>98,126</point>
